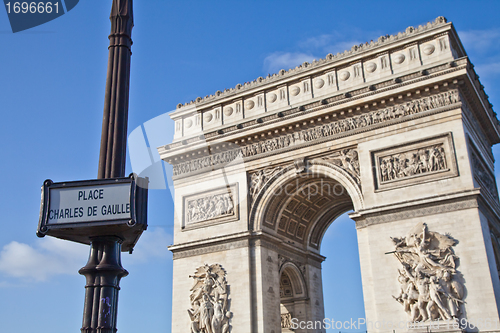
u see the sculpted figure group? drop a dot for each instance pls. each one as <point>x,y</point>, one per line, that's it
<point>259,178</point>
<point>209,207</point>
<point>325,130</point>
<point>430,286</point>
<point>209,300</point>
<point>286,320</point>
<point>348,160</point>
<point>412,163</point>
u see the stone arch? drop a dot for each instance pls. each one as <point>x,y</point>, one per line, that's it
<point>274,202</point>
<point>293,294</point>
<point>296,277</point>
<point>343,177</point>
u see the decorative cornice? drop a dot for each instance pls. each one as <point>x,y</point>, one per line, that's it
<point>478,100</point>
<point>330,58</point>
<point>416,210</point>
<point>310,258</point>
<point>334,129</point>
<point>337,100</point>
<point>228,245</point>
<point>245,241</point>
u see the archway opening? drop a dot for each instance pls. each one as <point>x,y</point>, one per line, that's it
<point>299,208</point>
<point>293,296</point>
<point>342,287</point>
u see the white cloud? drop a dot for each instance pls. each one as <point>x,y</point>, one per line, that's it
<point>285,60</point>
<point>309,49</point>
<point>49,257</point>
<point>52,256</point>
<point>316,42</point>
<point>480,40</point>
<point>340,46</point>
<point>325,44</point>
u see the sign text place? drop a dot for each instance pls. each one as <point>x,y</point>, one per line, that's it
<point>89,203</point>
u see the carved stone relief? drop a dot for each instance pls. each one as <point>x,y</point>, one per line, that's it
<point>259,178</point>
<point>209,312</point>
<point>431,287</point>
<point>428,159</point>
<point>412,162</point>
<point>483,176</point>
<point>299,164</point>
<point>348,160</point>
<point>321,131</point>
<point>210,207</point>
<point>483,142</point>
<point>286,320</point>
<point>217,205</point>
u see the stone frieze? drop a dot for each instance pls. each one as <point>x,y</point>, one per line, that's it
<point>210,207</point>
<point>412,163</point>
<point>214,206</point>
<point>330,129</point>
<point>429,159</point>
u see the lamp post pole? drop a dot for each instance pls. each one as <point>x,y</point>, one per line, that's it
<point>103,270</point>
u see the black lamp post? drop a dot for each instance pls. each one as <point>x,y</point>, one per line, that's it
<point>103,270</point>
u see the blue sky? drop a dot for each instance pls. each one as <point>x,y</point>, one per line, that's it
<point>51,99</point>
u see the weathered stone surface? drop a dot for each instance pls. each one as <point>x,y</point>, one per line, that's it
<point>398,131</point>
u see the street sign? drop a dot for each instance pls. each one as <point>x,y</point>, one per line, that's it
<point>81,210</point>
<point>103,202</point>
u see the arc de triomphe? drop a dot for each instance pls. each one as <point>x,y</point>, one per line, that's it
<point>399,131</point>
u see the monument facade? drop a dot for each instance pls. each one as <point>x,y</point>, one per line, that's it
<point>398,132</point>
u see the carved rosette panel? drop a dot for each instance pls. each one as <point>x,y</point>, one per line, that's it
<point>209,311</point>
<point>216,206</point>
<point>325,130</point>
<point>415,162</point>
<point>431,287</point>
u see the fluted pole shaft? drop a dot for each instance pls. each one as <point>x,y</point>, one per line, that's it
<point>104,270</point>
<point>112,156</point>
<point>103,273</point>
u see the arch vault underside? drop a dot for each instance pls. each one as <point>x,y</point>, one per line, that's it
<point>299,206</point>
